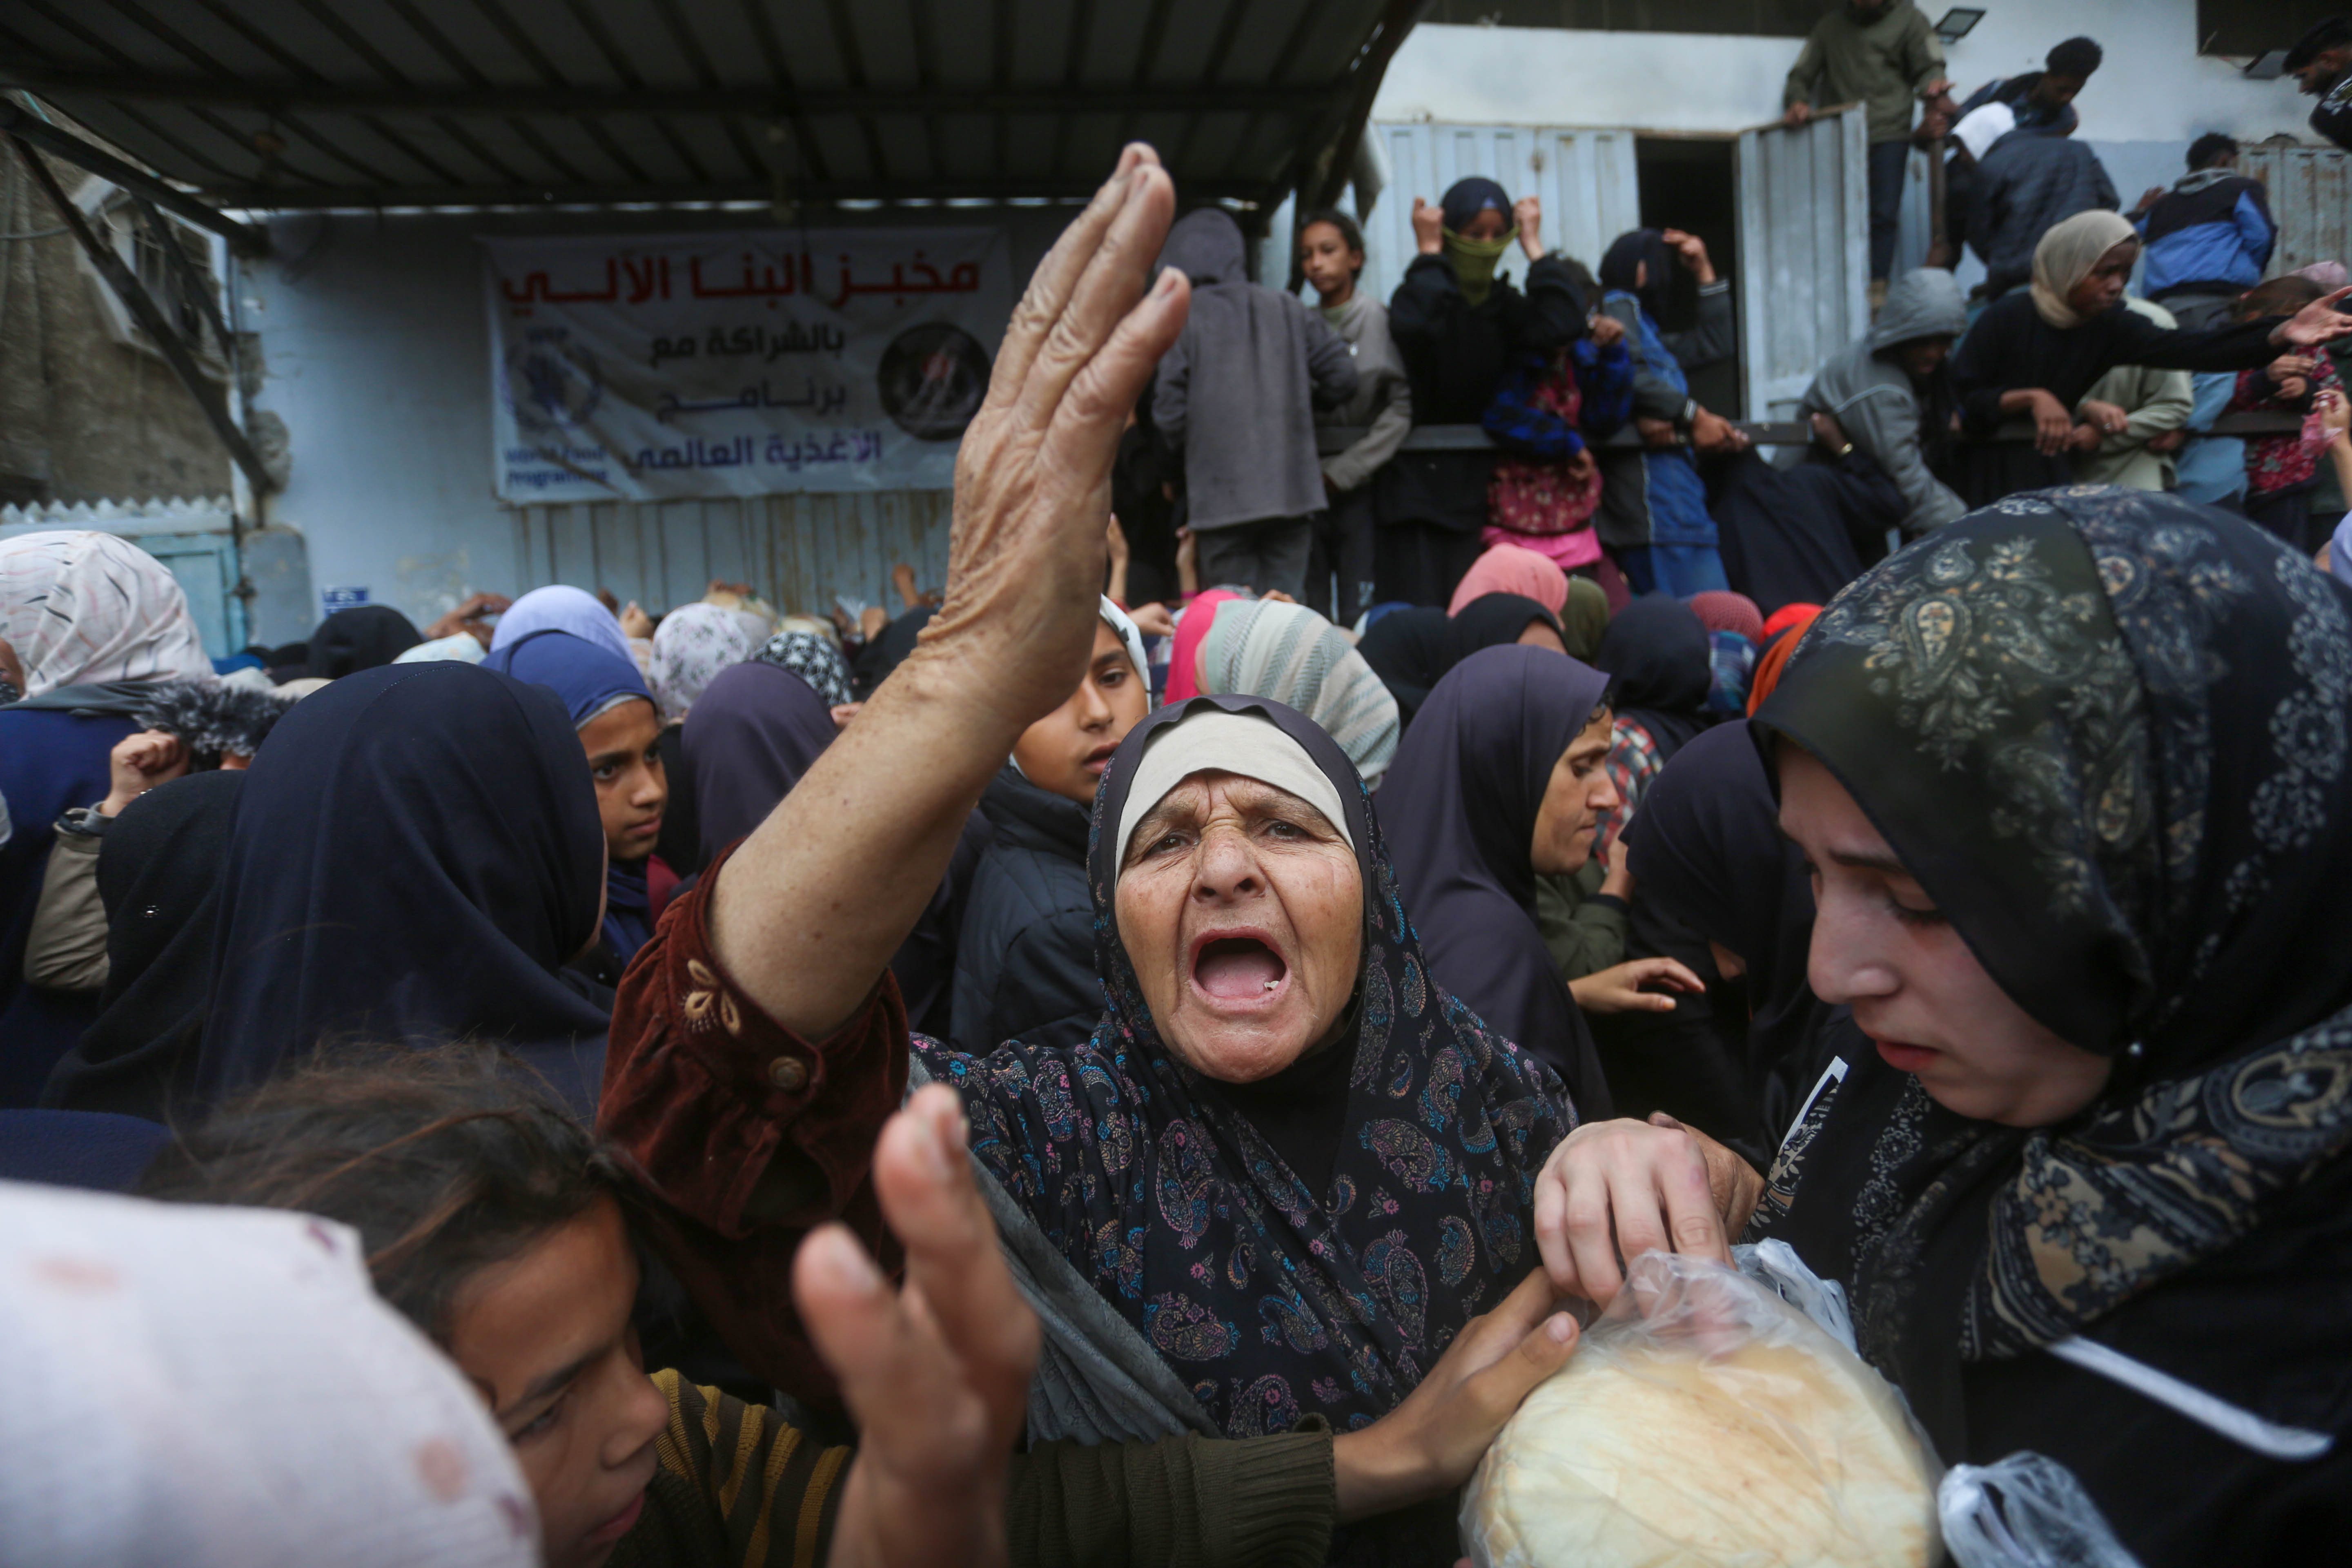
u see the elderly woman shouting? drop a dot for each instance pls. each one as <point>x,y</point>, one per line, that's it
<point>1285,1174</point>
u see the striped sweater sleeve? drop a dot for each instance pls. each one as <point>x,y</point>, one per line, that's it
<point>774,1489</point>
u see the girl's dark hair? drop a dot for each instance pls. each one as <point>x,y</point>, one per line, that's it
<point>444,1161</point>
<point>2281,295</point>
<point>1347,227</point>
<point>2075,57</point>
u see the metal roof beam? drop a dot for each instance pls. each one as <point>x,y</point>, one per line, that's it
<point>243,238</point>
<point>289,198</point>
<point>504,100</point>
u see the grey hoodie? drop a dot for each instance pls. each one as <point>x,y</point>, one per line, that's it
<point>1871,396</point>
<point>1236,394</point>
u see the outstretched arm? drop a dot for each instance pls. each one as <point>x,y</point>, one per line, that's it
<point>807,913</point>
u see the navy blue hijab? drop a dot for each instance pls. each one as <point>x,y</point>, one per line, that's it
<point>591,681</point>
<point>413,857</point>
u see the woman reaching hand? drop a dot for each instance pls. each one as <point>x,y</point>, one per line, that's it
<point>1226,1220</point>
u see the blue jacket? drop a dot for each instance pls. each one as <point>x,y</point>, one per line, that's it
<point>2211,234</point>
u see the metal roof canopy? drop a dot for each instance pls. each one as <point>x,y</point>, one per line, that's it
<point>313,103</point>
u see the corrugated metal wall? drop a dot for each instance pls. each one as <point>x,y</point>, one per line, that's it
<point>1804,255</point>
<point>2310,193</point>
<point>800,551</point>
<point>1585,179</point>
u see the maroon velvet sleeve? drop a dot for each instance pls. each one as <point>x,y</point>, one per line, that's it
<point>704,1092</point>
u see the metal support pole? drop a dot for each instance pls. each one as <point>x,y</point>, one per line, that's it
<point>150,317</point>
<point>243,238</point>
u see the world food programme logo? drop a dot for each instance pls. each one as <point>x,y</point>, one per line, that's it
<point>552,383</point>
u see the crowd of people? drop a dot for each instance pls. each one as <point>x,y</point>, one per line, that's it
<point>1148,1053</point>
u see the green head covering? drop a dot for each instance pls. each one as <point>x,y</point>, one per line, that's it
<point>1584,619</point>
<point>1474,263</point>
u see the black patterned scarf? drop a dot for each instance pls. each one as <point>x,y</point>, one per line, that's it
<point>1271,1301</point>
<point>2110,732</point>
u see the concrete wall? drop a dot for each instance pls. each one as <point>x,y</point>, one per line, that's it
<point>375,351</point>
<point>2153,87</point>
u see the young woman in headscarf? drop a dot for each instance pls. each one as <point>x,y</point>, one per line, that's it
<point>94,624</point>
<point>2089,1193</point>
<point>362,637</point>
<point>1025,954</point>
<point>159,878</point>
<point>1459,327</point>
<point>691,646</point>
<point>1512,569</point>
<point>1227,1222</point>
<point>562,609</point>
<point>1412,649</point>
<point>620,733</point>
<point>750,741</point>
<point>1287,652</point>
<point>815,659</point>
<point>1662,665</point>
<point>2035,353</point>
<point>415,856</point>
<point>1654,515</point>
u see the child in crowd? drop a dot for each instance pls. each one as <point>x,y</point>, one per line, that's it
<point>2283,470</point>
<point>1331,256</point>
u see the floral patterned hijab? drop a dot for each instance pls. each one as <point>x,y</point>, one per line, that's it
<point>1270,1301</point>
<point>2110,732</point>
<point>691,646</point>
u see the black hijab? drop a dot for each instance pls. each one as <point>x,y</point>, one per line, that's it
<point>750,736</point>
<point>159,876</point>
<point>413,857</point>
<point>1657,652</point>
<point>1706,849</point>
<point>1620,264</point>
<point>2108,731</point>
<point>1270,1299</point>
<point>1411,650</point>
<point>365,637</point>
<point>1463,794</point>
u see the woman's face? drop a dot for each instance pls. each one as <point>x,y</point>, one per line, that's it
<point>1066,750</point>
<point>1243,911</point>
<point>1881,947</point>
<point>1490,224</point>
<point>545,1338</point>
<point>631,787</point>
<point>2104,285</point>
<point>1579,790</point>
<point>1923,357</point>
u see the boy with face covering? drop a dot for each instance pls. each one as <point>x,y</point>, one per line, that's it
<point>1026,957</point>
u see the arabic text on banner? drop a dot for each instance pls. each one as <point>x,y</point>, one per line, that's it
<point>649,367</point>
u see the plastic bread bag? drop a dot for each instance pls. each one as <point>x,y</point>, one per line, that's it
<point>2025,1511</point>
<point>1708,1420</point>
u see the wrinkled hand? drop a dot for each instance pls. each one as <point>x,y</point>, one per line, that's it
<point>1615,1190</point>
<point>2053,426</point>
<point>1619,987</point>
<point>138,764</point>
<point>936,1374</point>
<point>1025,557</point>
<point>1429,1445</point>
<point>2317,322</point>
<point>1608,331</point>
<point>1428,227</point>
<point>1153,620</point>
<point>1528,213</point>
<point>1655,432</point>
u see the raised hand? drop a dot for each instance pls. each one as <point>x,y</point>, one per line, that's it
<point>1428,227</point>
<point>1528,213</point>
<point>2317,322</point>
<point>137,764</point>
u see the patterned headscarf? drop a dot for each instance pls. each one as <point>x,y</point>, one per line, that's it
<point>1272,1301</point>
<point>82,607</point>
<point>814,659</point>
<point>2110,732</point>
<point>1287,652</point>
<point>693,644</point>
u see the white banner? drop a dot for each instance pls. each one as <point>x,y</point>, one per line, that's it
<point>647,367</point>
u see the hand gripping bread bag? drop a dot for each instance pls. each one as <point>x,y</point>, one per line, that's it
<point>1706,1422</point>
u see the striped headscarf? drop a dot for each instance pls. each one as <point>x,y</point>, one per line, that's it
<point>1287,652</point>
<point>691,646</point>
<point>82,607</point>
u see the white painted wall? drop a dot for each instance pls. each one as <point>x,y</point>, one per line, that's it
<point>2153,87</point>
<point>375,352</point>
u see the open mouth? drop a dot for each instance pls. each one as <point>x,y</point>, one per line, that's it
<point>1099,758</point>
<point>1235,969</point>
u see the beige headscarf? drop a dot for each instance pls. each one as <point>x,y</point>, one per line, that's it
<point>2066,257</point>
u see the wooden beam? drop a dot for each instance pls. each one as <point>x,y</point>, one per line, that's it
<point>150,317</point>
<point>243,238</point>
